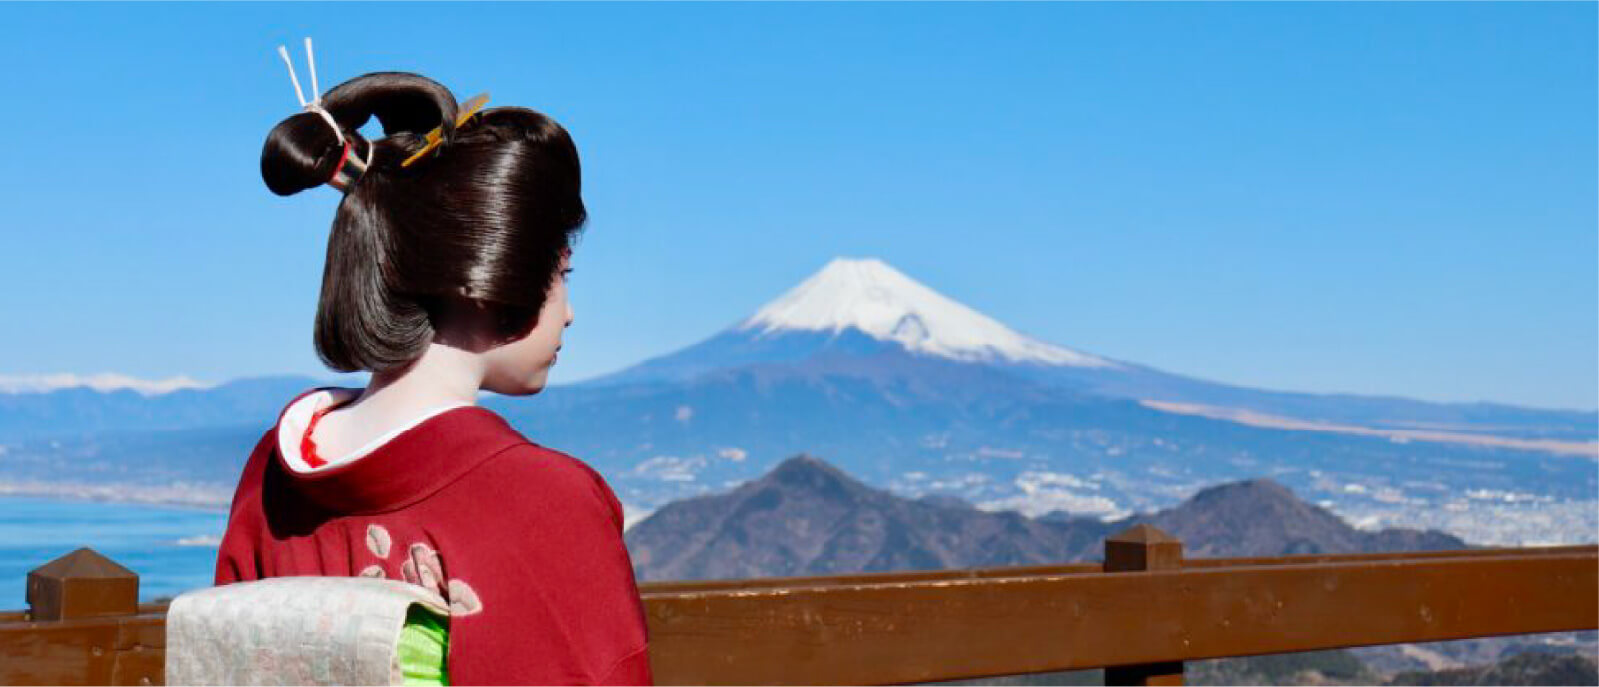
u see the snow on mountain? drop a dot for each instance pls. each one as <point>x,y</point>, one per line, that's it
<point>869,295</point>
<point>106,381</point>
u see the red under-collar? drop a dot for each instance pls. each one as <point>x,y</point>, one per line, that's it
<point>307,444</point>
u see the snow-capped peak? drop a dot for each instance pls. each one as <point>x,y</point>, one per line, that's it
<point>877,299</point>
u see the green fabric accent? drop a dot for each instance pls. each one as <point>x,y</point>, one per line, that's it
<point>424,644</point>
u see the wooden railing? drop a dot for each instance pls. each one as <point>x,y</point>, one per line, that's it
<point>1140,614</point>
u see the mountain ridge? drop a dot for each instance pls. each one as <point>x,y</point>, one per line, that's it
<point>807,517</point>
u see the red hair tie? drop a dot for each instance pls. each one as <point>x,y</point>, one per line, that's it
<point>337,180</point>
<point>350,167</point>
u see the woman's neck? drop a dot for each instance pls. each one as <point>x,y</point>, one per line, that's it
<point>443,375</point>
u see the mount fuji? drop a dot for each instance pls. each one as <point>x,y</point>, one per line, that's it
<point>865,306</point>
<point>858,307</point>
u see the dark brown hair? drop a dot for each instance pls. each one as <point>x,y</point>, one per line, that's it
<point>486,216</point>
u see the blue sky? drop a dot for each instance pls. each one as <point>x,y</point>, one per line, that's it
<point>1366,197</point>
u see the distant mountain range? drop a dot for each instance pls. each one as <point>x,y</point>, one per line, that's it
<point>918,394</point>
<point>81,410</point>
<point>807,517</point>
<point>1260,517</point>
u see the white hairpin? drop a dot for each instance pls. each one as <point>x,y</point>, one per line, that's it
<point>315,103</point>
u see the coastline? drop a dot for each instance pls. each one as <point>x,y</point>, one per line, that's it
<point>172,547</point>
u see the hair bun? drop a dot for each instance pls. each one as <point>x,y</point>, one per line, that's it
<point>303,151</point>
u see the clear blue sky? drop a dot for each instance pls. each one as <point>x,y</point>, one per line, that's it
<point>1365,197</point>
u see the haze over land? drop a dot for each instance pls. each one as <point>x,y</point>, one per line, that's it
<point>914,392</point>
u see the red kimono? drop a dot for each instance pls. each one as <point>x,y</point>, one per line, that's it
<point>525,543</point>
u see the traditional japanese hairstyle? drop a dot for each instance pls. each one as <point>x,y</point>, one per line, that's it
<point>483,211</point>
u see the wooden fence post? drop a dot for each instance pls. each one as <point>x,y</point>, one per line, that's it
<point>1135,549</point>
<point>81,584</point>
<point>83,627</point>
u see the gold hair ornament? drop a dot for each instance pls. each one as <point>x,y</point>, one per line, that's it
<point>436,136</point>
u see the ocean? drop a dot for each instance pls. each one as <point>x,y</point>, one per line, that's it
<point>173,549</point>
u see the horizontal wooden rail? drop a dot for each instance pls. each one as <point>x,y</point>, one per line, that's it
<point>127,650</point>
<point>652,588</point>
<point>920,631</point>
<point>649,589</point>
<point>883,628</point>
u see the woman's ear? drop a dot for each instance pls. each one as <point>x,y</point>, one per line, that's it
<point>465,323</point>
<point>513,322</point>
<point>476,325</point>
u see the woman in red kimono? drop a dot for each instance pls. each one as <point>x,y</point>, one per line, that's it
<point>445,276</point>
